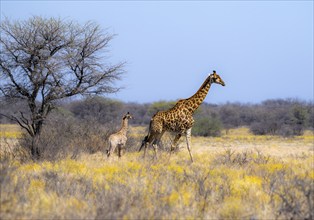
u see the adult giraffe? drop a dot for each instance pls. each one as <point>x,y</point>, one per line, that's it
<point>178,119</point>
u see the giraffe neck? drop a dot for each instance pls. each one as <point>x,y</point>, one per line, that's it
<point>197,99</point>
<point>124,127</point>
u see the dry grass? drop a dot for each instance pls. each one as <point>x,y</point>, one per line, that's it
<point>242,140</point>
<point>9,134</point>
<point>236,176</point>
<point>10,131</point>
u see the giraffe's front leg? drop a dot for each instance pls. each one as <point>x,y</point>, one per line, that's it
<point>188,142</point>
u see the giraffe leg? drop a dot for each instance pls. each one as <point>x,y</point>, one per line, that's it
<point>120,150</point>
<point>156,142</point>
<point>155,146</point>
<point>111,149</point>
<point>188,142</point>
<point>175,142</point>
<point>145,148</point>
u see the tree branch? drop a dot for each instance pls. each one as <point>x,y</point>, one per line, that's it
<point>24,124</point>
<point>43,60</point>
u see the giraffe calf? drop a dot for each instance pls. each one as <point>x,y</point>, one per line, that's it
<point>119,138</point>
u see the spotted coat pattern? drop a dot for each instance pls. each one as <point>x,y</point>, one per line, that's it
<point>179,119</point>
<point>119,138</point>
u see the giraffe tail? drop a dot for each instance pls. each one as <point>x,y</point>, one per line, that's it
<point>145,140</point>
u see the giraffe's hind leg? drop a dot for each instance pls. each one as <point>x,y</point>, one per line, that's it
<point>156,143</point>
<point>175,142</point>
<point>111,149</point>
<point>155,146</point>
<point>145,148</point>
<point>188,142</point>
<point>120,147</point>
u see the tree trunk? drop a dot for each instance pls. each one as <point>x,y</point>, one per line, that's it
<point>35,148</point>
<point>35,151</point>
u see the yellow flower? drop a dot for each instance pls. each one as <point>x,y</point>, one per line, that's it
<point>173,198</point>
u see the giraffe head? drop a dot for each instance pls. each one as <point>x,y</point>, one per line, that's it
<point>127,116</point>
<point>215,78</point>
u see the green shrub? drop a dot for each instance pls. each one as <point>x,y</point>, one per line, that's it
<point>207,126</point>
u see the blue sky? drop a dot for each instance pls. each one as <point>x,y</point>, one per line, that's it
<point>261,49</point>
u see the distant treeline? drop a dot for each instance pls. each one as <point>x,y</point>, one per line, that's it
<point>286,117</point>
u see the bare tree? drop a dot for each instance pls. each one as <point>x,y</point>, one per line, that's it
<point>44,60</point>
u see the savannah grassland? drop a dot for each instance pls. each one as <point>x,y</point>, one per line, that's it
<point>235,176</point>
